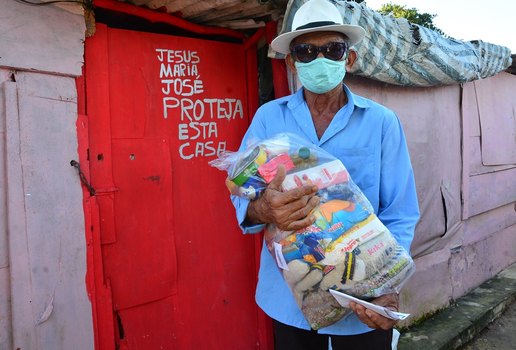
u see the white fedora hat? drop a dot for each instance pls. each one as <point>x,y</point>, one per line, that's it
<point>317,16</point>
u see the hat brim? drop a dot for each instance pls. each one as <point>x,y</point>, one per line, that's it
<point>354,33</point>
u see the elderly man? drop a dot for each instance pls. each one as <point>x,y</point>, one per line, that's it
<point>365,136</point>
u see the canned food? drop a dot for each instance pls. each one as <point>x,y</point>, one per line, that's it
<point>248,166</point>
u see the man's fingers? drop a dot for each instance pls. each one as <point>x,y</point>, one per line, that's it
<point>360,311</point>
<point>377,320</point>
<point>296,215</point>
<point>300,224</point>
<point>371,318</point>
<point>302,207</point>
<point>289,210</point>
<point>300,192</point>
<point>293,194</point>
<point>276,182</point>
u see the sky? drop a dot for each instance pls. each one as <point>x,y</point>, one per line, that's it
<point>491,21</point>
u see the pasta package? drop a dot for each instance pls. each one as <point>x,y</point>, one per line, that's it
<point>347,248</point>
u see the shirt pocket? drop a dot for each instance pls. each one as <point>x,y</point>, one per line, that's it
<point>360,164</point>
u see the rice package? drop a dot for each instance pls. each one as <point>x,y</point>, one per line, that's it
<point>347,248</point>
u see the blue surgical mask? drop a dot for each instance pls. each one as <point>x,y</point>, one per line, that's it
<point>321,75</point>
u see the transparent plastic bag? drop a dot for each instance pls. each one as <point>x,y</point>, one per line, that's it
<point>347,248</point>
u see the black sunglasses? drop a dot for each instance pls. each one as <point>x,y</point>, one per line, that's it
<point>307,52</point>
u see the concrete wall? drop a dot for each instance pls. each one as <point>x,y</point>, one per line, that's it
<point>43,298</point>
<point>462,145</point>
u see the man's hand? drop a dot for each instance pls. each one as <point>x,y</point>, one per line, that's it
<point>289,210</point>
<point>373,319</point>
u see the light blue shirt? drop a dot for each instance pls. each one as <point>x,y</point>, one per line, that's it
<point>369,140</point>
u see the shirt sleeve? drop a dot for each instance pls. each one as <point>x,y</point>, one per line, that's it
<point>398,209</point>
<point>241,204</point>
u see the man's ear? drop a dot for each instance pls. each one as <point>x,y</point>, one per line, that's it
<point>352,56</point>
<point>290,63</point>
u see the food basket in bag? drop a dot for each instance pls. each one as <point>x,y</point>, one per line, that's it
<point>347,248</point>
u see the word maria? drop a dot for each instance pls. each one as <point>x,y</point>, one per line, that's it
<point>198,116</point>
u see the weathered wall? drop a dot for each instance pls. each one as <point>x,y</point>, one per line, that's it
<point>42,38</point>
<point>43,299</point>
<point>461,140</point>
<point>5,293</point>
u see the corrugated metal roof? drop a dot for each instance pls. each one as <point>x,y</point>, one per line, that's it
<point>235,14</point>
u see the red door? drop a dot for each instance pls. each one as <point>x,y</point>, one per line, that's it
<point>169,268</point>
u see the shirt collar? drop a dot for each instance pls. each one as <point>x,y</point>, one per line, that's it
<point>298,98</point>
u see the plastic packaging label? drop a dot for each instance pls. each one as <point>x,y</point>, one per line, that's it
<point>280,259</point>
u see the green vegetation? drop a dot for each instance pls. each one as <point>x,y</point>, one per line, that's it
<point>411,14</point>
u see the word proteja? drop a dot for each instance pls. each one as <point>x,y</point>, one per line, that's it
<point>212,108</point>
